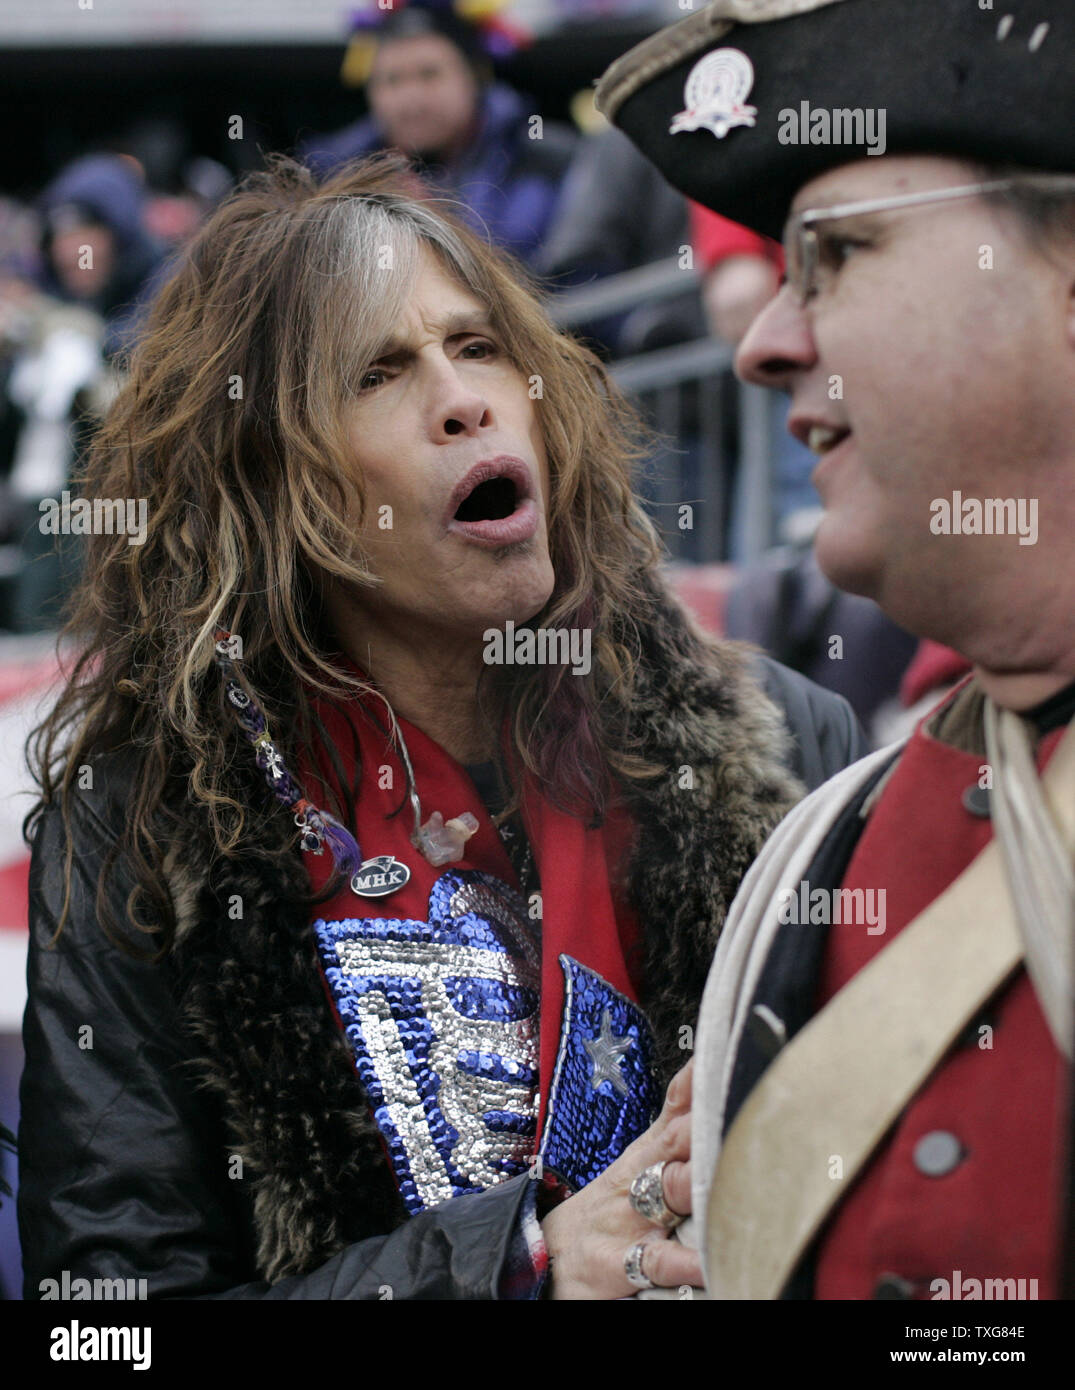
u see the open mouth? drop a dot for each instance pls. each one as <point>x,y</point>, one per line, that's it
<point>823,440</point>
<point>494,504</point>
<point>492,500</point>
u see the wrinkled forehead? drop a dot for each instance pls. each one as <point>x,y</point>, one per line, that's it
<point>439,301</point>
<point>425,296</point>
<point>437,274</point>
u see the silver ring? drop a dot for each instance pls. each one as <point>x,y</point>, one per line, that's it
<point>632,1267</point>
<point>647,1197</point>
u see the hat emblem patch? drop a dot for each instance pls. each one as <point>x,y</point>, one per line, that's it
<point>715,94</point>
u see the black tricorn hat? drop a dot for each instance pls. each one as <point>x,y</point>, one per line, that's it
<point>765,95</point>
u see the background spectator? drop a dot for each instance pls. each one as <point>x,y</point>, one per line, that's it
<point>62,321</point>
<point>741,273</point>
<point>785,605</point>
<point>432,96</point>
<point>96,248</point>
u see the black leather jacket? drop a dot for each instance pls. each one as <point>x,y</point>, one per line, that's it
<point>125,1162</point>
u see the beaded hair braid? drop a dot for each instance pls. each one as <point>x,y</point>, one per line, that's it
<point>318,827</point>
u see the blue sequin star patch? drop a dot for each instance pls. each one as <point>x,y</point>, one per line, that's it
<point>603,1093</point>
<point>443,1018</point>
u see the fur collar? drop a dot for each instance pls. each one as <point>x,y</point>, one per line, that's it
<point>267,1040</point>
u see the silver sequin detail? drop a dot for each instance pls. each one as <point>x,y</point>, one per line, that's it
<point>462,1098</point>
<point>506,910</point>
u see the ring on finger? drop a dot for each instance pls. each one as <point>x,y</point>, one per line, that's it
<point>647,1197</point>
<point>632,1267</point>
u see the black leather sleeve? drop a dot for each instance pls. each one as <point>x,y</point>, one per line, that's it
<point>124,1162</point>
<point>826,731</point>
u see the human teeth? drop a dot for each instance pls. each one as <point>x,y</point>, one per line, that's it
<point>821,438</point>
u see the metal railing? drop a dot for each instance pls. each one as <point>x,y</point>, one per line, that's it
<point>718,432</point>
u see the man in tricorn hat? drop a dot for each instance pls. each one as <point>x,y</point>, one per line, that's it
<point>881,1080</point>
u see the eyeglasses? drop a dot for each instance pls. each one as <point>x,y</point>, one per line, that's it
<point>801,240</point>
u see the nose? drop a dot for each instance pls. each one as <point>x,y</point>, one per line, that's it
<point>455,407</point>
<point>779,343</point>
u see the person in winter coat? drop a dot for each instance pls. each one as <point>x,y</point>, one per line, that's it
<point>97,249</point>
<point>473,140</point>
<point>390,813</point>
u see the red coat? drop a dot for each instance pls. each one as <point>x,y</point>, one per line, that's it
<point>968,1185</point>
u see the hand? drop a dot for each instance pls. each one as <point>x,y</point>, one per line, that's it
<point>588,1236</point>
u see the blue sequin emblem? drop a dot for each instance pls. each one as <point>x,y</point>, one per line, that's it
<point>443,1018</point>
<point>603,1093</point>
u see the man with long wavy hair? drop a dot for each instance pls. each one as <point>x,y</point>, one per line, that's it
<point>304,1020</point>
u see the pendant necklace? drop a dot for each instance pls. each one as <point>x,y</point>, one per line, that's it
<point>439,841</point>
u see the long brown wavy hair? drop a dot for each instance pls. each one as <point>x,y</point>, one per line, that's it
<point>230,426</point>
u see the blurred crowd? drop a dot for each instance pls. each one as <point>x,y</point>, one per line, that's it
<point>81,259</point>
